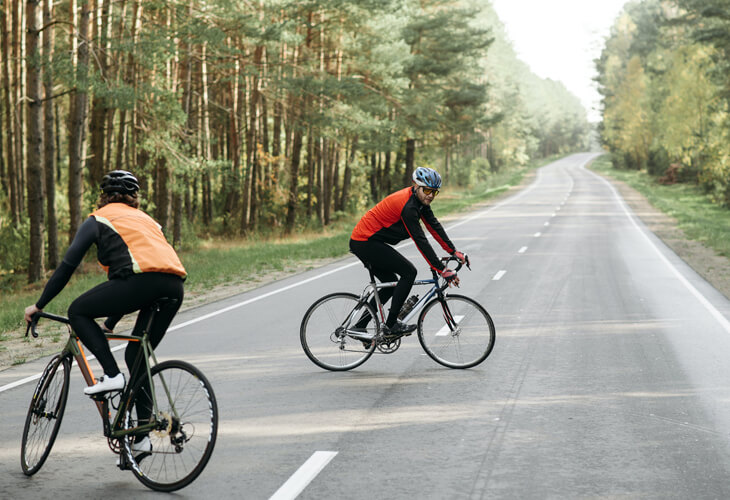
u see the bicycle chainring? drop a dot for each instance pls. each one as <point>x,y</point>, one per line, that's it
<point>389,346</point>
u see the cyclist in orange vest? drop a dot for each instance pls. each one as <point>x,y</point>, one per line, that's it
<point>140,264</point>
<point>394,219</point>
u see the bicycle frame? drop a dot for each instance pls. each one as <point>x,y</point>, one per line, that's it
<point>113,429</point>
<point>436,290</point>
<point>372,286</point>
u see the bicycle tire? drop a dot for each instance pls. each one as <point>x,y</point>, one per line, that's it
<point>463,347</point>
<point>41,425</point>
<point>319,333</point>
<point>182,444</point>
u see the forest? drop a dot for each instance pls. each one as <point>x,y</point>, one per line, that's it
<point>246,117</point>
<point>664,76</point>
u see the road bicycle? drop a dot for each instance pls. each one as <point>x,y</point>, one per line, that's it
<point>177,411</point>
<point>454,330</point>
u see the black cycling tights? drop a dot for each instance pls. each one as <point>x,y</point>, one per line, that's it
<point>116,298</point>
<point>387,265</point>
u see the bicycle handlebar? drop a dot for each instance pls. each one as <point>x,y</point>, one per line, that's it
<point>40,314</point>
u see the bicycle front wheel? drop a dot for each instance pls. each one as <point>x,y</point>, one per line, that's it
<point>458,332</point>
<point>45,414</point>
<point>328,336</point>
<point>186,426</point>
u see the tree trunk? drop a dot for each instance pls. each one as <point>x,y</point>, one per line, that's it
<point>162,192</point>
<point>9,105</point>
<point>49,153</point>
<point>78,122</point>
<point>19,134</point>
<point>310,171</point>
<point>291,212</point>
<point>410,160</point>
<point>347,177</point>
<point>35,179</point>
<point>99,107</point>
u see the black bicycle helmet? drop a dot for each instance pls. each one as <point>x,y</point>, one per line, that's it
<point>120,181</point>
<point>427,177</point>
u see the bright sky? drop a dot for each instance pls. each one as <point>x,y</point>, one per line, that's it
<point>559,39</point>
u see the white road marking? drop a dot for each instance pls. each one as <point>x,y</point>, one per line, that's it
<point>537,235</point>
<point>522,250</point>
<point>701,298</point>
<point>499,275</point>
<point>303,476</point>
<point>546,224</point>
<point>445,329</point>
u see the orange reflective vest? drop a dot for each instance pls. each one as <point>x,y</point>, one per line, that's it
<point>130,241</point>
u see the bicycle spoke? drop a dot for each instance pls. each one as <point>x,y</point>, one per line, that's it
<point>324,335</point>
<point>462,343</point>
<point>180,448</point>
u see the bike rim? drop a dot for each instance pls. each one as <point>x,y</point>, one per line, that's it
<point>463,343</point>
<point>326,340</point>
<point>44,416</point>
<point>186,432</point>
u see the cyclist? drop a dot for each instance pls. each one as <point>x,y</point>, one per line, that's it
<point>140,264</point>
<point>393,220</point>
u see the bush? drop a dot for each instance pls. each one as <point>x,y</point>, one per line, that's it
<point>658,161</point>
<point>14,244</point>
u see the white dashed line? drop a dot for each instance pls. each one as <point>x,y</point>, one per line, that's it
<point>522,250</point>
<point>445,330</point>
<point>499,275</point>
<point>303,476</point>
<point>538,234</point>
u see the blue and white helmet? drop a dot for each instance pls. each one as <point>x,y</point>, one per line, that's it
<point>427,177</point>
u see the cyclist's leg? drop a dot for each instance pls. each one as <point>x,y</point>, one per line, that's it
<point>105,299</point>
<point>158,285</point>
<point>388,264</point>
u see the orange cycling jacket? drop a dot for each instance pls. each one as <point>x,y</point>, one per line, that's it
<point>130,241</point>
<point>396,218</point>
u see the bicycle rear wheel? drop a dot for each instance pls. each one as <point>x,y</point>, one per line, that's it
<point>186,430</point>
<point>458,333</point>
<point>329,341</point>
<point>44,414</point>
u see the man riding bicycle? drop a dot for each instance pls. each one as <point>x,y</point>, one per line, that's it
<point>391,221</point>
<point>141,266</point>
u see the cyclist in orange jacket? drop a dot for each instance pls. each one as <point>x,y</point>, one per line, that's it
<point>141,266</point>
<point>394,219</point>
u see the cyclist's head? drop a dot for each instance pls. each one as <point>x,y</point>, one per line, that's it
<point>119,186</point>
<point>427,177</point>
<point>120,181</point>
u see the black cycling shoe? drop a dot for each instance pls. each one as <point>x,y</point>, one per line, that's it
<point>400,329</point>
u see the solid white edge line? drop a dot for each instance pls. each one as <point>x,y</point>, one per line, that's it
<point>294,285</point>
<point>701,298</point>
<point>303,476</point>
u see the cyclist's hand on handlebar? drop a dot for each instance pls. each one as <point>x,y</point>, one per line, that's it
<point>450,276</point>
<point>461,257</point>
<point>30,311</point>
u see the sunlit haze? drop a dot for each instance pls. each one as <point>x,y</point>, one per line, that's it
<point>559,39</point>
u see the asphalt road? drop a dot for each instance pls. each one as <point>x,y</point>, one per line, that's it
<point>609,379</point>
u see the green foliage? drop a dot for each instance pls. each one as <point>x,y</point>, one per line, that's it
<point>664,76</point>
<point>14,242</point>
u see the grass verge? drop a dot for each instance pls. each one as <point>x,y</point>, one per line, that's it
<point>696,215</point>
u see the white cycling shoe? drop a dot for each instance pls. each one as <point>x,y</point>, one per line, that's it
<point>106,384</point>
<point>144,446</point>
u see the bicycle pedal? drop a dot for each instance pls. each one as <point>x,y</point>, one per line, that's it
<point>101,396</point>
